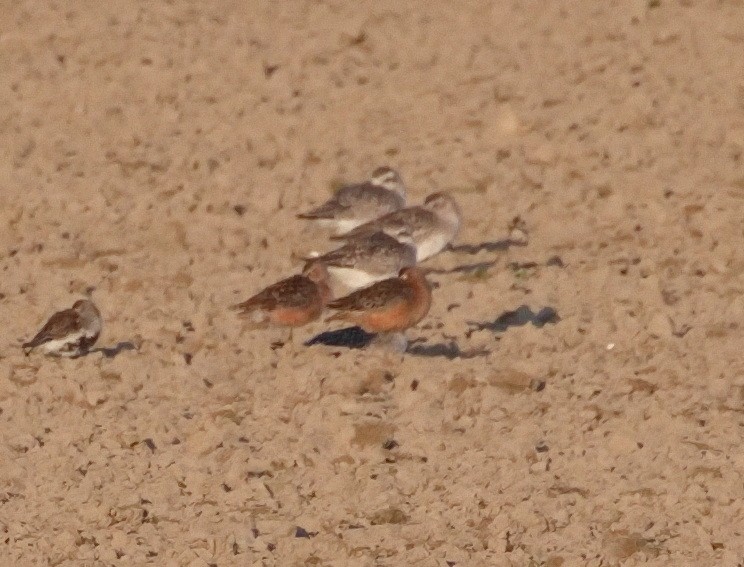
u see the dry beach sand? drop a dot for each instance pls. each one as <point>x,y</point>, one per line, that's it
<point>159,152</point>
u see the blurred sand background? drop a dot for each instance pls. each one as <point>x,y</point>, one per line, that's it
<point>159,152</point>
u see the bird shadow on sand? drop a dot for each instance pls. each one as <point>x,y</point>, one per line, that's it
<point>488,246</point>
<point>357,338</point>
<point>522,315</point>
<point>449,350</point>
<point>476,267</point>
<point>114,351</point>
<point>464,268</point>
<point>350,337</point>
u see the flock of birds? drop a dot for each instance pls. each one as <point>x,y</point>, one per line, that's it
<point>384,240</point>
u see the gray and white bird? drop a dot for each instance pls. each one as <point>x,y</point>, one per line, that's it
<point>430,227</point>
<point>355,204</point>
<point>365,260</point>
<point>69,333</point>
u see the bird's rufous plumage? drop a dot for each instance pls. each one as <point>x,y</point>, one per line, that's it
<point>391,305</point>
<point>291,302</point>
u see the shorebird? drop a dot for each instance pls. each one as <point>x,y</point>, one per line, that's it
<point>289,303</point>
<point>430,226</point>
<point>365,260</point>
<point>389,306</point>
<point>69,333</point>
<point>358,203</point>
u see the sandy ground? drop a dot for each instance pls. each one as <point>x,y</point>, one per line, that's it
<point>159,152</point>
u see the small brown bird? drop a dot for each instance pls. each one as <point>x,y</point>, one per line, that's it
<point>70,333</point>
<point>388,306</point>
<point>291,302</point>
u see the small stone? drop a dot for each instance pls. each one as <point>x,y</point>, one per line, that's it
<point>511,380</point>
<point>388,516</point>
<point>390,444</point>
<point>301,532</point>
<point>518,233</point>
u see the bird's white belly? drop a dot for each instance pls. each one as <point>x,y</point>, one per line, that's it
<point>431,246</point>
<point>354,278</point>
<point>60,347</point>
<point>346,225</point>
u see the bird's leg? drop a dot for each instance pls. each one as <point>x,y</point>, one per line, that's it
<point>290,341</point>
<point>399,342</point>
<point>394,342</point>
